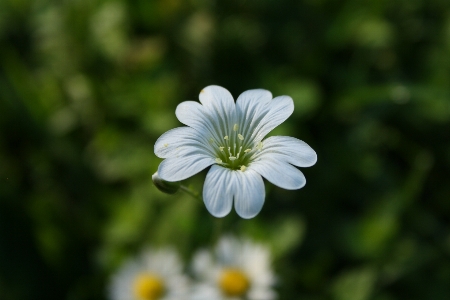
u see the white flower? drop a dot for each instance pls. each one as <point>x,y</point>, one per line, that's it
<point>238,269</point>
<point>229,136</point>
<point>155,275</point>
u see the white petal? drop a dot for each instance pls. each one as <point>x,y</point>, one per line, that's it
<point>279,173</point>
<point>257,265</point>
<point>261,293</point>
<point>218,191</point>
<point>193,114</point>
<point>220,106</point>
<point>180,140</point>
<point>289,149</point>
<point>251,106</point>
<point>280,108</point>
<point>205,291</point>
<point>202,264</point>
<point>190,113</point>
<point>217,98</point>
<point>180,168</point>
<point>228,250</point>
<point>250,194</point>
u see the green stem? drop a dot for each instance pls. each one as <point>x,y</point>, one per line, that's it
<point>191,193</point>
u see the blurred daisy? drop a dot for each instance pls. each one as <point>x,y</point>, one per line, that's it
<point>237,269</point>
<point>155,275</point>
<point>230,137</point>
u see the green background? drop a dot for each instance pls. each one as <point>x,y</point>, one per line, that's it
<point>86,88</point>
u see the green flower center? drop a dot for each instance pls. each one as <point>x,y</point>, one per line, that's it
<point>234,151</point>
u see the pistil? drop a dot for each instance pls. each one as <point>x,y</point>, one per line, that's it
<point>231,153</point>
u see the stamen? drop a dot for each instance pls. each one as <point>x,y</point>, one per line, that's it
<point>225,137</point>
<point>218,160</point>
<point>166,145</point>
<point>241,137</point>
<point>221,149</point>
<point>243,168</point>
<point>239,152</point>
<point>259,146</point>
<point>232,158</point>
<point>235,127</point>
<point>247,150</point>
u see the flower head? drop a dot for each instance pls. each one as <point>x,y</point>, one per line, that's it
<point>237,269</point>
<point>230,137</point>
<point>155,275</point>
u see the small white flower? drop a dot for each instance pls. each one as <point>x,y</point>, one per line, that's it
<point>238,269</point>
<point>155,275</point>
<point>229,136</point>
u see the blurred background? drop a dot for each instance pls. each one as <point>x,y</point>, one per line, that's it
<point>87,86</point>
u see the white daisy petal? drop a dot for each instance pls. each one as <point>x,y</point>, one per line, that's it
<point>280,108</point>
<point>185,166</point>
<point>262,294</point>
<point>233,277</point>
<point>226,250</point>
<point>250,194</point>
<point>289,149</point>
<point>279,173</point>
<point>162,269</point>
<point>181,139</point>
<point>202,264</point>
<point>218,191</point>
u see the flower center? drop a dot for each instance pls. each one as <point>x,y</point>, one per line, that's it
<point>234,282</point>
<point>234,151</point>
<point>148,287</point>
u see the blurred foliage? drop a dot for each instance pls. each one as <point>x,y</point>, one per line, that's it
<point>86,88</point>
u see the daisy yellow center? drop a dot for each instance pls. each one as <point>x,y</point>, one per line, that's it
<point>235,151</point>
<point>234,282</point>
<point>148,287</point>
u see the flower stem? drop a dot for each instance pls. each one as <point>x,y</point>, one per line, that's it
<point>191,193</point>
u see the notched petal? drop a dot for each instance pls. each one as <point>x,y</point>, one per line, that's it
<point>183,167</point>
<point>216,96</point>
<point>250,100</point>
<point>250,194</point>
<point>251,106</point>
<point>220,106</point>
<point>288,149</point>
<point>218,191</point>
<point>180,140</point>
<point>280,108</point>
<point>279,173</point>
<point>192,114</point>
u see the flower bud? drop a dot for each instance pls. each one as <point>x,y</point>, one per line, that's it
<point>165,186</point>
